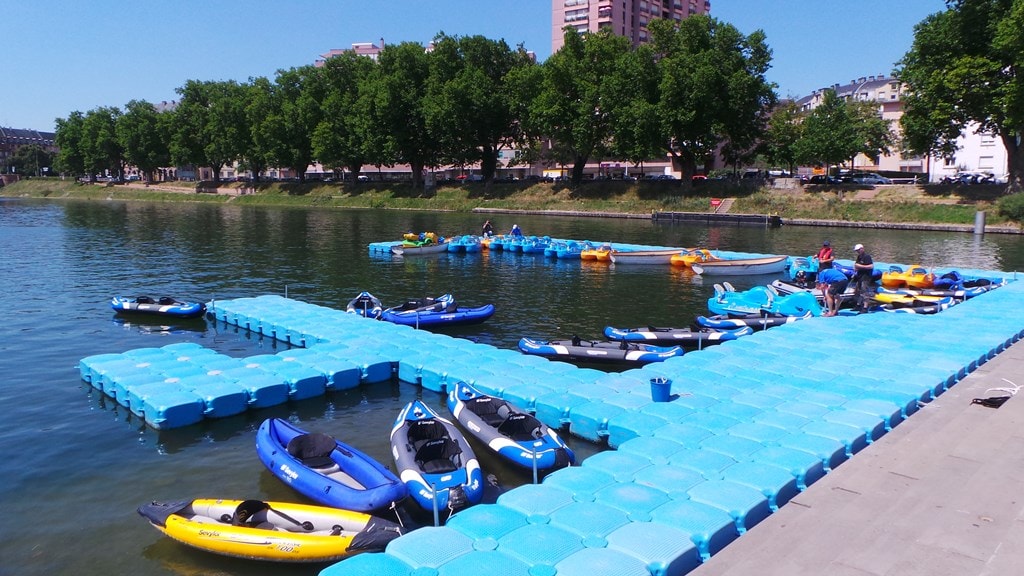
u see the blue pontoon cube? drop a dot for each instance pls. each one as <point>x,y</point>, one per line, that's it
<point>664,549</point>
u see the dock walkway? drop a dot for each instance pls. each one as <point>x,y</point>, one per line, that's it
<point>940,495</point>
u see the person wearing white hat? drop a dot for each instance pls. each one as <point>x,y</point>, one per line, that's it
<point>864,267</point>
<point>516,231</point>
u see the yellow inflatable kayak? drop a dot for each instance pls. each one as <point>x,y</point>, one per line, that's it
<point>905,299</point>
<point>278,531</point>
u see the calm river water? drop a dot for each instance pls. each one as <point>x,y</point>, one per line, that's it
<point>78,465</point>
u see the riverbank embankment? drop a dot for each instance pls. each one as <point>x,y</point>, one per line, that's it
<point>907,207</point>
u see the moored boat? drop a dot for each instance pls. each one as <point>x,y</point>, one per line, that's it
<point>534,244</point>
<point>277,531</point>
<point>691,337</point>
<point>762,300</point>
<point>693,256</point>
<point>466,244</point>
<point>162,306</point>
<point>804,270</point>
<point>365,304</point>
<point>918,305</point>
<point>434,460</point>
<point>572,250</point>
<point>411,249</point>
<point>325,469</point>
<point>515,435</point>
<point>742,266</point>
<point>598,351</point>
<point>756,321</point>
<point>915,276</point>
<point>440,311</point>
<point>645,256</point>
<point>848,297</point>
<point>599,253</point>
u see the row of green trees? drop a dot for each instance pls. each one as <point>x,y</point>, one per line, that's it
<point>698,85</point>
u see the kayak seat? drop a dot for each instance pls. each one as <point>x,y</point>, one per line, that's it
<point>423,431</point>
<point>144,300</point>
<point>435,456</point>
<point>491,410</point>
<point>521,427</point>
<point>314,450</point>
<point>166,301</point>
<point>250,513</point>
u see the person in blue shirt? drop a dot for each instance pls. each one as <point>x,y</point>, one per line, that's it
<point>516,231</point>
<point>832,284</point>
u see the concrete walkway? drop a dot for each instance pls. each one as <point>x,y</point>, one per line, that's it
<point>941,494</point>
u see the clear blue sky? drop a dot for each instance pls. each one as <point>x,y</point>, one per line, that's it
<point>67,55</point>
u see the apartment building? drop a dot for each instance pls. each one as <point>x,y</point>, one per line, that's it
<point>627,18</point>
<point>13,138</point>
<point>368,49</point>
<point>886,93</point>
<point>977,152</point>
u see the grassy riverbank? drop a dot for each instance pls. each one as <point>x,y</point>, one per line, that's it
<point>933,204</point>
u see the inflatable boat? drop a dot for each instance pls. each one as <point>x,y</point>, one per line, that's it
<point>434,460</point>
<point>278,531</point>
<point>325,469</point>
<point>598,351</point>
<point>440,311</point>
<point>755,321</point>
<point>513,434</point>
<point>162,306</point>
<point>365,304</point>
<point>692,337</point>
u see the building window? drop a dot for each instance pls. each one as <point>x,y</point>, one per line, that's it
<point>986,162</point>
<point>988,140</point>
<point>575,15</point>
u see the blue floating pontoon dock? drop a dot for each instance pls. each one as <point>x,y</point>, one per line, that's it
<point>736,441</point>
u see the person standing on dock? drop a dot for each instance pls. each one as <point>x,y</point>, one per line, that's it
<point>488,229</point>
<point>825,256</point>
<point>864,268</point>
<point>516,232</point>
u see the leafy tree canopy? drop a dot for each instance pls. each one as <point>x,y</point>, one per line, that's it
<point>964,73</point>
<point>712,88</point>
<point>142,134</point>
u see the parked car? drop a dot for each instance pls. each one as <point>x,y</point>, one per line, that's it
<point>823,179</point>
<point>870,179</point>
